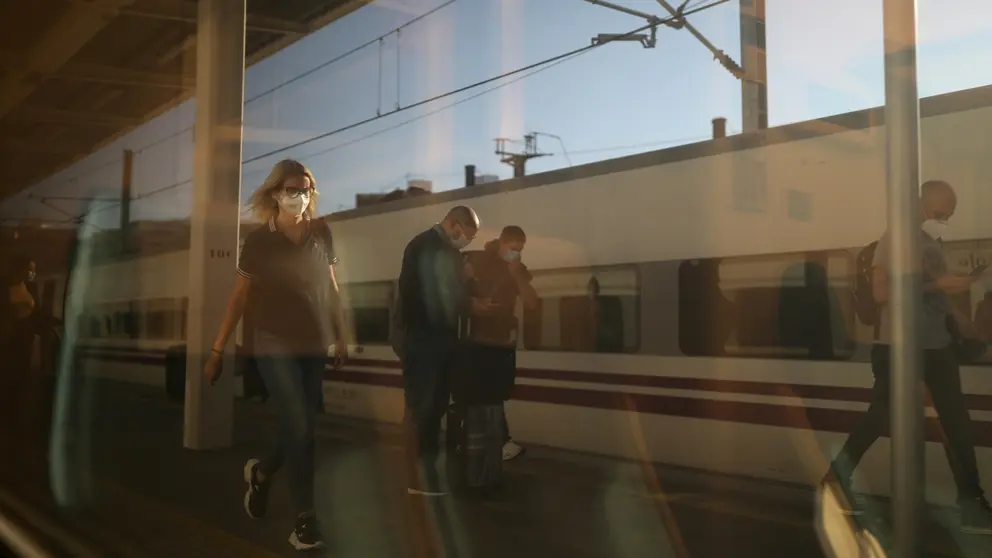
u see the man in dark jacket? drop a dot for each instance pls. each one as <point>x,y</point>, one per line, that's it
<point>434,302</point>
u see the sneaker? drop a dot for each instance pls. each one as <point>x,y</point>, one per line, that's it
<point>306,535</point>
<point>853,504</point>
<point>976,516</point>
<point>512,450</point>
<point>257,495</point>
<point>432,492</point>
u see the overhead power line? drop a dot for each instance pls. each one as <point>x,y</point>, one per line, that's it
<point>527,71</point>
<point>271,90</point>
<point>396,30</point>
<point>364,45</point>
<point>504,75</point>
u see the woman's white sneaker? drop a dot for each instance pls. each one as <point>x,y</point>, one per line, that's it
<point>512,450</point>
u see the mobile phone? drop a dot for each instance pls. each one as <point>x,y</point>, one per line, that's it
<point>979,270</point>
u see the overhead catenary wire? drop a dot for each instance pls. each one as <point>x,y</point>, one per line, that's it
<point>530,69</point>
<point>504,75</point>
<point>185,129</point>
<point>396,30</point>
<point>428,114</point>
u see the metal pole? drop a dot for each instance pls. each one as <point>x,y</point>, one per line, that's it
<point>754,87</point>
<point>126,180</point>
<point>902,138</point>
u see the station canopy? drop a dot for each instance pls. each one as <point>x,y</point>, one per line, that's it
<point>78,74</point>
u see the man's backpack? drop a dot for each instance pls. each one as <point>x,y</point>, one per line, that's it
<point>865,305</point>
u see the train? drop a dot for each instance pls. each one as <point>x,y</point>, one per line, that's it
<point>696,302</point>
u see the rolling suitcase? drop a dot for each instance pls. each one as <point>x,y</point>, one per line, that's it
<point>483,453</point>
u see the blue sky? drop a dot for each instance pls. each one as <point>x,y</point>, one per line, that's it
<point>824,57</point>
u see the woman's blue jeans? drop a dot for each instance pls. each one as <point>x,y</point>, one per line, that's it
<point>294,383</point>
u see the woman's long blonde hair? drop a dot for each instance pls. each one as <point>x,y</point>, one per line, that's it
<point>264,207</point>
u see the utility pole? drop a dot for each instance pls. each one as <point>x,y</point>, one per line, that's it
<point>754,86</point>
<point>519,160</point>
<point>676,21</point>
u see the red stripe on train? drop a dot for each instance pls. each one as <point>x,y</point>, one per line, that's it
<point>765,414</point>
<point>804,391</point>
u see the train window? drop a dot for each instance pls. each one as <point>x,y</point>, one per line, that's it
<point>183,315</point>
<point>159,318</point>
<point>593,311</point>
<point>369,311</point>
<point>962,258</point>
<point>132,320</point>
<point>793,305</point>
<point>122,319</point>
<point>88,326</point>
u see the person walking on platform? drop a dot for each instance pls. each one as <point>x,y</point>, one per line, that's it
<point>18,313</point>
<point>940,362</point>
<point>286,276</point>
<point>498,275</point>
<point>433,302</point>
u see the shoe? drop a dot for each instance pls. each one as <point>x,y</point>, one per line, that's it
<point>976,516</point>
<point>512,450</point>
<point>257,495</point>
<point>853,504</point>
<point>435,492</point>
<point>306,535</point>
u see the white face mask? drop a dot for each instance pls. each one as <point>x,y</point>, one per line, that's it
<point>511,255</point>
<point>293,206</point>
<point>460,242</point>
<point>31,276</point>
<point>935,228</point>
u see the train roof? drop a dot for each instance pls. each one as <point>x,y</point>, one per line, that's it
<point>936,105</point>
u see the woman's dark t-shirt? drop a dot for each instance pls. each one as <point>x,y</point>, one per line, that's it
<point>290,294</point>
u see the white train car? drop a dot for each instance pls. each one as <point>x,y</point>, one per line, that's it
<point>135,310</point>
<point>696,302</point>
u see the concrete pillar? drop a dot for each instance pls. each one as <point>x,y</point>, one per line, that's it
<point>754,86</point>
<point>220,62</point>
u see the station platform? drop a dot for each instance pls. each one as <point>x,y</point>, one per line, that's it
<point>152,498</point>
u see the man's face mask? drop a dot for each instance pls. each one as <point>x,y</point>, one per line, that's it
<point>461,240</point>
<point>510,251</point>
<point>511,255</point>
<point>31,275</point>
<point>935,228</point>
